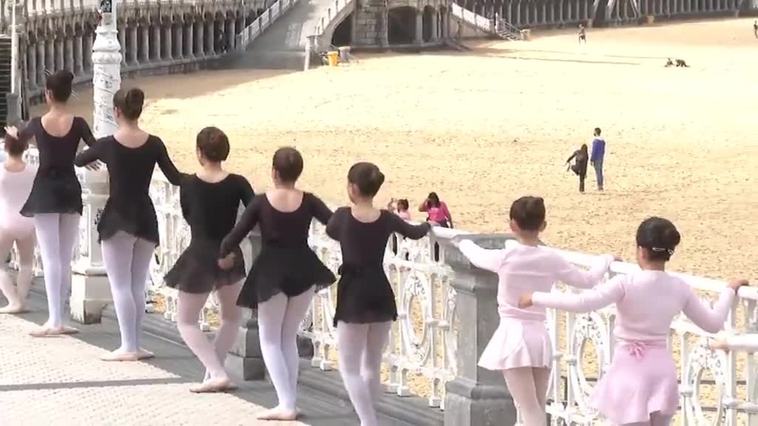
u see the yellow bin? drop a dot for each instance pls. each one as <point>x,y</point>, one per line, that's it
<point>334,58</point>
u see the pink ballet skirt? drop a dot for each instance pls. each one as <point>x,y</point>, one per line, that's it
<point>640,381</point>
<point>518,343</point>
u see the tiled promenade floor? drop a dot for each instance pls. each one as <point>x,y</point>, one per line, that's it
<point>60,380</point>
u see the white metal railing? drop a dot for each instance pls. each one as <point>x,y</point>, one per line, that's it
<point>481,22</point>
<point>421,356</point>
<point>268,17</point>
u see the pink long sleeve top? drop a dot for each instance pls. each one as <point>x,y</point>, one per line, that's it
<point>523,269</point>
<point>646,303</point>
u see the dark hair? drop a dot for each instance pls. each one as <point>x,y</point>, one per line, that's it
<point>433,199</point>
<point>659,237</point>
<point>597,131</point>
<point>528,213</point>
<point>59,85</point>
<point>288,163</point>
<point>213,144</point>
<point>15,147</point>
<point>583,148</point>
<point>403,203</point>
<point>367,177</point>
<point>129,102</point>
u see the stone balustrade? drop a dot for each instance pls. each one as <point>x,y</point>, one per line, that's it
<point>155,36</point>
<point>447,313</point>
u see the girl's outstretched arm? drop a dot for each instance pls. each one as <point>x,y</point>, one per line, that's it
<point>590,300</point>
<point>711,320</point>
<point>573,276</point>
<point>483,258</point>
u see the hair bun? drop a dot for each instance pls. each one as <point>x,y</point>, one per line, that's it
<point>135,97</point>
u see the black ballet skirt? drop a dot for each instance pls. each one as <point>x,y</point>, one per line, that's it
<point>364,295</point>
<point>288,270</point>
<point>197,271</point>
<point>57,191</point>
<point>56,188</point>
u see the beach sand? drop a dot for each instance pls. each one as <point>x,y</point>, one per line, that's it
<point>484,127</point>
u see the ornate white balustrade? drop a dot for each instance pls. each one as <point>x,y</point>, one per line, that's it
<point>256,28</point>
<point>434,292</point>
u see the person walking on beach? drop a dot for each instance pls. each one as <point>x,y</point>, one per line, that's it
<point>579,167</point>
<point>755,28</point>
<point>582,34</point>
<point>597,157</point>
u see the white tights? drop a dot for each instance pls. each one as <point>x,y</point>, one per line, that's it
<point>528,387</point>
<point>56,235</point>
<point>656,419</point>
<point>278,321</point>
<point>212,355</point>
<point>16,295</point>
<point>127,259</point>
<point>360,357</point>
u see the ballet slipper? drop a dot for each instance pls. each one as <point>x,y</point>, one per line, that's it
<point>144,354</point>
<point>13,309</point>
<point>119,356</point>
<point>46,331</point>
<point>213,385</point>
<point>278,413</point>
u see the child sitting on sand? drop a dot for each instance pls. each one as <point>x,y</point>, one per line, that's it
<point>400,207</point>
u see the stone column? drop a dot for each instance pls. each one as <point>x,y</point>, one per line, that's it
<point>68,54</point>
<point>476,397</point>
<point>200,39</point>
<point>122,42</point>
<point>211,37</point>
<point>41,61</point>
<point>133,45</point>
<point>189,41</point>
<point>178,41</point>
<point>87,52</point>
<point>145,37</point>
<point>435,19</point>
<point>90,291</point>
<point>155,43</point>
<point>231,31</point>
<point>31,72</point>
<point>58,47</point>
<point>419,39</point>
<point>78,60</point>
<point>168,52</point>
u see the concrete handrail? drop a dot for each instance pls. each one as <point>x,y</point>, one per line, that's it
<point>256,28</point>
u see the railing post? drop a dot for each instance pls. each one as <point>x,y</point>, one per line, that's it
<point>245,359</point>
<point>476,397</point>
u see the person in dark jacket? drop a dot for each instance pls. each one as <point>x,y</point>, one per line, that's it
<point>579,167</point>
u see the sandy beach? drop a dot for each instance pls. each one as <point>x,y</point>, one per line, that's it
<point>486,126</point>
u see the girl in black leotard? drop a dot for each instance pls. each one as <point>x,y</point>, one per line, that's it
<point>210,201</point>
<point>365,301</point>
<point>128,226</point>
<point>55,201</point>
<point>285,274</point>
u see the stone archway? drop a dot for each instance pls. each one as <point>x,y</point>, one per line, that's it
<point>401,28</point>
<point>343,32</point>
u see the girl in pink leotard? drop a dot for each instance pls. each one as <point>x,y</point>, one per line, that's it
<point>16,178</point>
<point>520,347</point>
<point>640,388</point>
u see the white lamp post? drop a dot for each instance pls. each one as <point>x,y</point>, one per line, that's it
<point>106,75</point>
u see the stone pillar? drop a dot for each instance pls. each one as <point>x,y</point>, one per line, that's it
<point>210,37</point>
<point>41,61</point>
<point>31,60</point>
<point>68,54</point>
<point>168,52</point>
<point>189,41</point>
<point>90,291</point>
<point>178,41</point>
<point>245,358</point>
<point>78,60</point>
<point>155,43</point>
<point>133,46</point>
<point>200,39</point>
<point>231,31</point>
<point>435,18</point>
<point>476,397</point>
<point>122,35</point>
<point>419,39</point>
<point>59,54</point>
<point>145,37</point>
<point>87,52</point>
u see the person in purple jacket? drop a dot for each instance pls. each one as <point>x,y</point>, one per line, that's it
<point>597,156</point>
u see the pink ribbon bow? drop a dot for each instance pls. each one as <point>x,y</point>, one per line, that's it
<point>636,349</point>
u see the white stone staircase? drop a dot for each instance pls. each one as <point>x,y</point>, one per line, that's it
<point>497,27</point>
